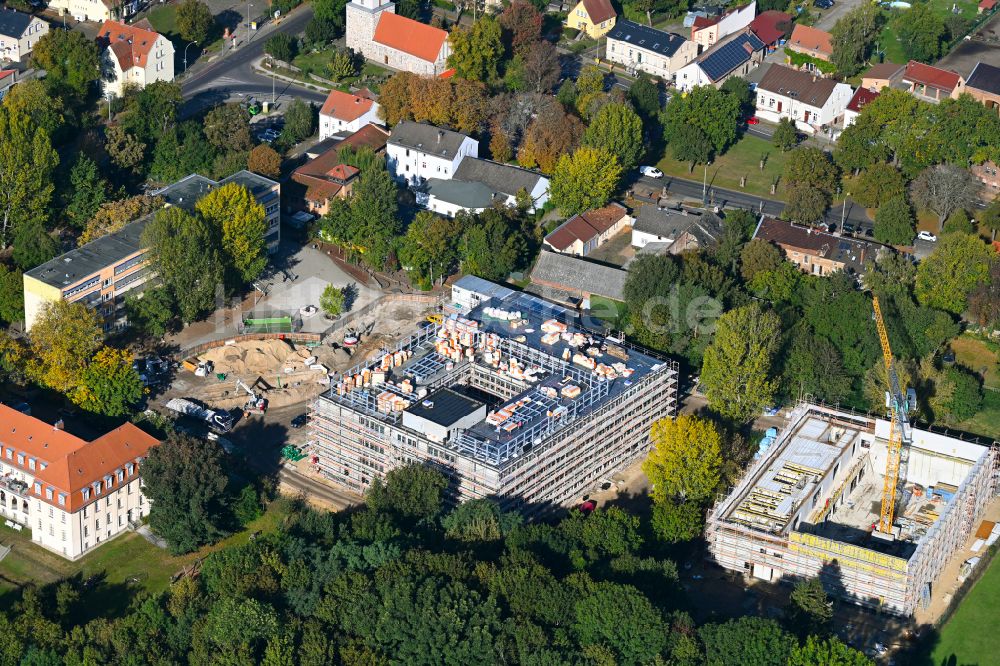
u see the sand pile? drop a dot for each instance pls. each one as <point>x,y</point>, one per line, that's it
<point>253,357</point>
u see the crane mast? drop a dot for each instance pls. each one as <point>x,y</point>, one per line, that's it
<point>899,433</point>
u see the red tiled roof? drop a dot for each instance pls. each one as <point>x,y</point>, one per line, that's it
<point>345,106</point>
<point>813,39</point>
<point>72,464</point>
<point>369,136</point>
<point>599,11</point>
<point>935,77</point>
<point>131,44</point>
<point>766,25</point>
<point>4,73</point>
<point>987,4</point>
<point>585,226</point>
<point>861,97</point>
<point>701,22</point>
<point>343,172</point>
<point>404,34</point>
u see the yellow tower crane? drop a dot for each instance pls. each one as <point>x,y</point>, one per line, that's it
<point>899,431</point>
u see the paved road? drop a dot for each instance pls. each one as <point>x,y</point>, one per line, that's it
<point>232,75</point>
<point>691,189</point>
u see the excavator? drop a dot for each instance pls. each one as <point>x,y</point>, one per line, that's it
<point>256,403</point>
<point>900,436</point>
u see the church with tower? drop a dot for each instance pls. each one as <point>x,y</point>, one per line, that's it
<point>375,30</point>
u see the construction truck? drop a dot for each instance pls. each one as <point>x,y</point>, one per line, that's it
<point>217,420</point>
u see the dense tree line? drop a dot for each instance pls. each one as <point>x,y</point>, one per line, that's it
<point>408,580</point>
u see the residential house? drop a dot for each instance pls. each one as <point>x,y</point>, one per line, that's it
<point>585,232</point>
<point>325,177</point>
<point>734,57</point>
<point>569,279</point>
<point>417,152</point>
<point>71,493</point>
<point>133,55</point>
<point>376,31</point>
<point>812,42</point>
<point>8,77</point>
<point>657,230</point>
<point>18,33</point>
<point>99,274</point>
<point>862,96</point>
<point>818,252</point>
<point>984,85</point>
<point>189,190</point>
<point>344,112</point>
<point>706,32</point>
<point>987,175</point>
<point>655,52</point>
<point>808,100</point>
<point>882,75</point>
<point>478,184</point>
<point>92,10</point>
<point>771,27</point>
<point>931,84</point>
<point>593,17</point>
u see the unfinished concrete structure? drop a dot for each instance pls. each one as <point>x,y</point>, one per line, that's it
<point>808,505</point>
<point>510,399</point>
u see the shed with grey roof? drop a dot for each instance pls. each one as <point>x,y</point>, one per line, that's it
<point>578,277</point>
<point>499,177</point>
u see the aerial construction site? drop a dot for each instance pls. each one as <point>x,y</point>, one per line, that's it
<point>505,394</point>
<point>873,506</point>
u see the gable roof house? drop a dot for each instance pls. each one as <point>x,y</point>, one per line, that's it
<point>771,27</point>
<point>818,252</point>
<point>706,31</point>
<point>674,231</point>
<point>50,478</point>
<point>93,10</point>
<point>655,52</point>
<point>479,184</point>
<point>417,152</point>
<point>133,55</point>
<point>346,112</point>
<point>583,233</point>
<point>569,279</point>
<point>376,31</point>
<point>808,100</point>
<point>8,77</point>
<point>862,97</point>
<point>812,42</point>
<point>593,17</point>
<point>932,84</point>
<point>18,33</point>
<point>984,85</point>
<point>320,180</point>
<point>734,57</point>
<point>881,75</point>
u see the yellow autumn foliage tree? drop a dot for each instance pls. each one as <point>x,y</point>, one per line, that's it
<point>686,459</point>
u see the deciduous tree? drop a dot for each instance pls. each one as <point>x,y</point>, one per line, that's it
<point>476,52</point>
<point>31,98</point>
<point>11,295</point>
<point>522,25</point>
<point>712,111</point>
<point>806,203</point>
<point>551,134</point>
<point>411,491</point>
<point>151,311</point>
<point>89,191</point>
<point>920,31</point>
<point>894,222</point>
<point>541,66</point>
<point>69,60</point>
<point>265,160</point>
<point>810,610</point>
<point>689,144</point>
<point>818,651</point>
<point>430,246</point>
<point>332,300</point>
<point>685,461</point>
<point>33,245</point>
<point>785,135</point>
<point>63,339</point>
<point>27,162</point>
<point>584,180</point>
<point>757,256</point>
<point>125,150</point>
<point>621,619</point>
<point>109,385</point>
<point>227,128</point>
<point>736,373</point>
<point>959,264</point>
<point>300,120</point>
<point>492,244</point>
<point>617,129</point>
<point>281,46</point>
<point>877,184</point>
<point>195,22</point>
<point>114,215</point>
<point>944,188</point>
<point>184,479</point>
<point>240,223</point>
<point>853,38</point>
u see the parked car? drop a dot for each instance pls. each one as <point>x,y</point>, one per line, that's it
<point>650,172</point>
<point>927,236</point>
<point>848,228</point>
<point>300,421</point>
<point>822,4</point>
<point>753,120</point>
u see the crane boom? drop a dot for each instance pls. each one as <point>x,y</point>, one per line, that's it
<point>898,428</point>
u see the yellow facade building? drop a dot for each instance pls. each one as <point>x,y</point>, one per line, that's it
<point>593,17</point>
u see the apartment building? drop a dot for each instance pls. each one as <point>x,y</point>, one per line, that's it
<point>533,414</point>
<point>706,31</point>
<point>72,494</point>
<point>645,49</point>
<point>133,55</point>
<point>19,32</point>
<point>417,152</point>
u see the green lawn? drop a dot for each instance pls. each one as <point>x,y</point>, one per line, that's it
<point>164,19</point>
<point>982,358</point>
<point>126,561</point>
<point>608,310</point>
<point>889,41</point>
<point>968,637</point>
<point>742,159</point>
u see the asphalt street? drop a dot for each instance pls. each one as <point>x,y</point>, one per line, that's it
<point>690,189</point>
<point>232,76</point>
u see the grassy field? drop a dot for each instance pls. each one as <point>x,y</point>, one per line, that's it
<point>968,637</point>
<point>608,310</point>
<point>889,41</point>
<point>982,358</point>
<point>128,561</point>
<point>164,19</point>
<point>742,159</point>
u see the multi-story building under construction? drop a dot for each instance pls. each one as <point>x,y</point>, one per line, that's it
<point>508,396</point>
<point>810,506</point>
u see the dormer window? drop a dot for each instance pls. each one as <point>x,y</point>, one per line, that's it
<point>131,468</point>
<point>48,493</point>
<point>86,494</point>
<point>38,488</point>
<point>20,459</point>
<point>62,499</point>
<point>120,474</point>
